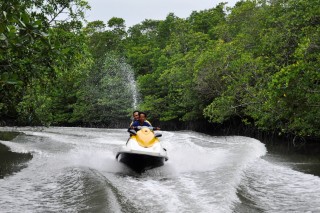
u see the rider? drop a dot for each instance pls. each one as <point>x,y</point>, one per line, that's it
<point>142,122</point>
<point>135,116</point>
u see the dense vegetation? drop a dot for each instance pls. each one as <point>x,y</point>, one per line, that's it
<point>258,62</point>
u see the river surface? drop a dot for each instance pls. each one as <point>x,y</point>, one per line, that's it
<point>74,170</point>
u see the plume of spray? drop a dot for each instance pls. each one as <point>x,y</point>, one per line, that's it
<point>131,84</point>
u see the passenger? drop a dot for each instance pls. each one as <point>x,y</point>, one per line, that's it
<point>135,116</point>
<point>142,122</point>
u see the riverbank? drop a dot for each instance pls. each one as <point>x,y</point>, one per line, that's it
<point>288,143</point>
<point>11,162</point>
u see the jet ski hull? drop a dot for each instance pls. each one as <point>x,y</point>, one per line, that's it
<point>142,151</point>
<point>140,162</point>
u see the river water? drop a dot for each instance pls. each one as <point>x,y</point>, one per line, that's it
<point>74,170</point>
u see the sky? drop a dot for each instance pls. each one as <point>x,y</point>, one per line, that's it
<point>135,11</point>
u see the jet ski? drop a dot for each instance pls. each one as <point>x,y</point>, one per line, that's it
<point>143,150</point>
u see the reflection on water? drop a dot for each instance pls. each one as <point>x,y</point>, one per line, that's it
<point>8,136</point>
<point>11,162</point>
<point>307,163</point>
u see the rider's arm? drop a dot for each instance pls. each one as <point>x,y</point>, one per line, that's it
<point>134,125</point>
<point>148,124</point>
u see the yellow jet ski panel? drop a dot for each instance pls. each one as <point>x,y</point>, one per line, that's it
<point>145,137</point>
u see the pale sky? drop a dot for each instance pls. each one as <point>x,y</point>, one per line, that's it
<point>135,11</point>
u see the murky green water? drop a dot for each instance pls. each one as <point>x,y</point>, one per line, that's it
<point>11,162</point>
<point>309,164</point>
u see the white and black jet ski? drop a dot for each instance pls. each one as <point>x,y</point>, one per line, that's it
<point>143,150</point>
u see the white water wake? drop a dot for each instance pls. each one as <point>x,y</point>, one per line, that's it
<point>74,169</point>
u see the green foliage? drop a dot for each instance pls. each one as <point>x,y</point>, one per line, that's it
<point>141,46</point>
<point>34,54</point>
<point>106,97</point>
<point>292,96</point>
<point>173,77</point>
<point>116,23</point>
<point>258,61</point>
<point>206,20</point>
<point>273,78</point>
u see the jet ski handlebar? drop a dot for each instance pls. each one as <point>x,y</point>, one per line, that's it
<point>149,127</point>
<point>134,132</point>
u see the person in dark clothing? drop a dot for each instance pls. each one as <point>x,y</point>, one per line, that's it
<point>135,116</point>
<point>142,122</point>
